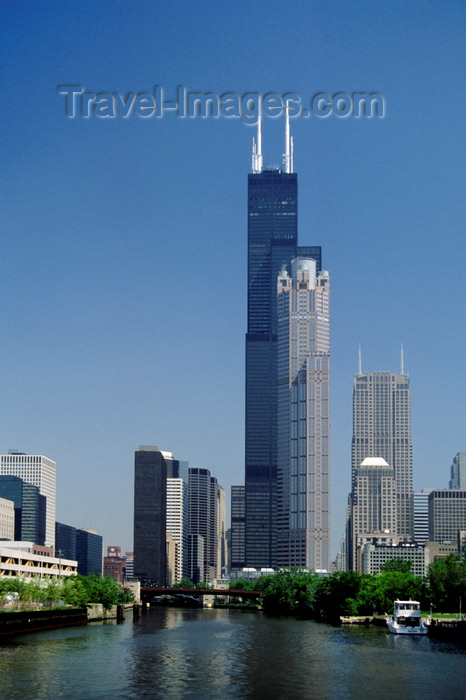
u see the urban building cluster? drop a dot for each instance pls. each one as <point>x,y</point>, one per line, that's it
<point>32,543</point>
<point>179,521</point>
<point>280,515</point>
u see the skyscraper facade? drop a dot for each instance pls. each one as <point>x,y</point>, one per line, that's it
<point>382,428</point>
<point>303,410</point>
<point>38,471</point>
<point>237,537</point>
<point>272,244</point>
<point>150,515</point>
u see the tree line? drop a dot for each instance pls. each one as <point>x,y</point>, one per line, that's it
<point>346,593</point>
<point>72,591</point>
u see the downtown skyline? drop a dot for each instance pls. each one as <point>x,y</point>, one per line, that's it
<point>124,244</point>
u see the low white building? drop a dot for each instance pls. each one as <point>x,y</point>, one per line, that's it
<point>22,559</point>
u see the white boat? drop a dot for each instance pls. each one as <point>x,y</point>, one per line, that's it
<point>406,618</point>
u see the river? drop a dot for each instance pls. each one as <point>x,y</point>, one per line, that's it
<point>215,654</point>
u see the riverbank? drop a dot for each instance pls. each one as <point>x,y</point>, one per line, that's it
<point>17,621</point>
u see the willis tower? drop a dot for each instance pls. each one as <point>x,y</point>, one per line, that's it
<point>272,245</point>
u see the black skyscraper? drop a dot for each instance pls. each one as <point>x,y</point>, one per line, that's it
<point>150,516</point>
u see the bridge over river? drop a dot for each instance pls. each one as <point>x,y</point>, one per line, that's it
<point>149,592</point>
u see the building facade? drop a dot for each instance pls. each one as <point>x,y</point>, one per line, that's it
<point>272,244</point>
<point>421,515</point>
<point>150,516</point>
<point>303,411</point>
<point>7,519</point>
<point>447,514</point>
<point>89,552</point>
<point>38,471</point>
<point>238,528</point>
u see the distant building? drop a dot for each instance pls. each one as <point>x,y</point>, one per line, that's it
<point>382,428</point>
<point>421,515</point>
<point>447,514</point>
<point>65,540</point>
<point>374,556</point>
<point>129,557</point>
<point>207,520</point>
<point>374,512</point>
<point>458,471</point>
<point>38,471</point>
<point>150,516</point>
<point>115,564</point>
<point>7,519</point>
<point>89,552</point>
<point>238,528</point>
<point>29,506</point>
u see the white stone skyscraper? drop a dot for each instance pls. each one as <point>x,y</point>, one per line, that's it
<point>382,428</point>
<point>38,471</point>
<point>303,409</point>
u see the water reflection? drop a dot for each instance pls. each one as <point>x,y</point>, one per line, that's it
<point>204,654</point>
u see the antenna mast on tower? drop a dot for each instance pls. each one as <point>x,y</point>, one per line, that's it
<point>289,150</point>
<point>257,147</point>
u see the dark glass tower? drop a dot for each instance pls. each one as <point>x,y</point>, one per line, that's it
<point>272,241</point>
<point>150,515</point>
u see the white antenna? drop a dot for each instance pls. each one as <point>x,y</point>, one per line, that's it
<point>257,147</point>
<point>402,359</point>
<point>359,361</point>
<point>288,156</point>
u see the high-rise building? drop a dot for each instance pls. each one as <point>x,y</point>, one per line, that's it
<point>458,471</point>
<point>206,526</point>
<point>150,515</point>
<point>177,524</point>
<point>272,243</point>
<point>303,410</point>
<point>382,428</point>
<point>30,508</point>
<point>38,471</point>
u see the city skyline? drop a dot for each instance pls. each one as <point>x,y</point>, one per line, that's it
<point>124,241</point>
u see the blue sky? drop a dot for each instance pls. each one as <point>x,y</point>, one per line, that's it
<point>123,241</point>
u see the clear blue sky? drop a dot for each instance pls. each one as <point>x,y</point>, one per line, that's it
<point>123,245</point>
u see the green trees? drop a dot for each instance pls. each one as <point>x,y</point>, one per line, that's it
<point>288,591</point>
<point>76,591</point>
<point>447,583</point>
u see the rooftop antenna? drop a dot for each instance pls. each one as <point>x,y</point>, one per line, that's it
<point>257,147</point>
<point>359,361</point>
<point>289,151</point>
<point>402,359</point>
